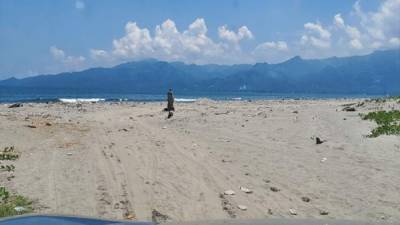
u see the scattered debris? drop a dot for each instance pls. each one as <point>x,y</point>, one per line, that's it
<point>130,217</point>
<point>123,129</point>
<point>323,159</point>
<point>164,127</point>
<point>266,181</point>
<point>296,111</point>
<point>48,124</point>
<point>318,141</point>
<point>158,217</point>
<point>274,189</point>
<point>242,207</point>
<point>292,212</point>
<point>20,209</point>
<point>227,206</point>
<point>349,109</point>
<point>221,113</point>
<point>16,105</point>
<point>305,199</point>
<point>270,212</point>
<point>225,160</point>
<point>323,212</point>
<point>69,153</point>
<point>229,192</point>
<point>245,190</point>
<point>31,126</point>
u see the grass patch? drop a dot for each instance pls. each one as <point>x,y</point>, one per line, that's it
<point>8,154</point>
<point>11,205</point>
<point>388,122</point>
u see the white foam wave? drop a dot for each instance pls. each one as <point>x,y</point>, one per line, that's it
<point>81,100</point>
<point>185,99</point>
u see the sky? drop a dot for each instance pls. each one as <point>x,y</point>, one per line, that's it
<point>47,36</point>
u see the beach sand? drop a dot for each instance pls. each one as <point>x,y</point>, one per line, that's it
<point>126,160</point>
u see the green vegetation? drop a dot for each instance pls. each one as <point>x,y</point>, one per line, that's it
<point>8,154</point>
<point>388,122</point>
<point>7,168</point>
<point>11,205</point>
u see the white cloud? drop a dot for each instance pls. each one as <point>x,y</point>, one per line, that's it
<point>383,24</point>
<point>279,45</point>
<point>98,54</point>
<point>168,43</point>
<point>136,42</point>
<point>356,44</point>
<point>316,36</point>
<point>317,28</point>
<point>395,42</point>
<point>352,32</point>
<point>338,20</point>
<point>80,5</point>
<point>69,62</point>
<point>57,53</point>
<point>232,36</point>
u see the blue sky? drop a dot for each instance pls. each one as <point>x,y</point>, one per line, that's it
<point>47,36</point>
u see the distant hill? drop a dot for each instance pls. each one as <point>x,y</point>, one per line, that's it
<point>376,73</point>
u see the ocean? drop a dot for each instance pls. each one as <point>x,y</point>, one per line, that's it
<point>8,95</point>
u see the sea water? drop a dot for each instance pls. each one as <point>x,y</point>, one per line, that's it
<point>8,95</point>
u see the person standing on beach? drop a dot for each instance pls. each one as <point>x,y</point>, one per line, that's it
<point>170,99</point>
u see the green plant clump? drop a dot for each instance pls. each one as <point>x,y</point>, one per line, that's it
<point>11,205</point>
<point>388,122</point>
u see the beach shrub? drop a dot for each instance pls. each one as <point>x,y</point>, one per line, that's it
<point>11,205</point>
<point>8,154</point>
<point>388,122</point>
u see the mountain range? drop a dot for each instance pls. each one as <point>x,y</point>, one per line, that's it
<point>376,73</point>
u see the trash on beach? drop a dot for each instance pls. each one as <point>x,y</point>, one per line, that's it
<point>130,217</point>
<point>245,190</point>
<point>323,212</point>
<point>31,126</point>
<point>349,109</point>
<point>318,141</point>
<point>19,208</point>
<point>292,212</point>
<point>164,127</point>
<point>229,192</point>
<point>305,199</point>
<point>323,159</point>
<point>16,105</point>
<point>242,207</point>
<point>274,189</point>
<point>69,153</point>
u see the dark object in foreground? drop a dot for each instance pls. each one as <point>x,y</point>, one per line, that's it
<point>16,105</point>
<point>349,109</point>
<point>63,220</point>
<point>318,141</point>
<point>170,114</point>
<point>69,220</point>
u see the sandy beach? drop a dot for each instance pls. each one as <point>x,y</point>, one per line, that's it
<point>126,160</point>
